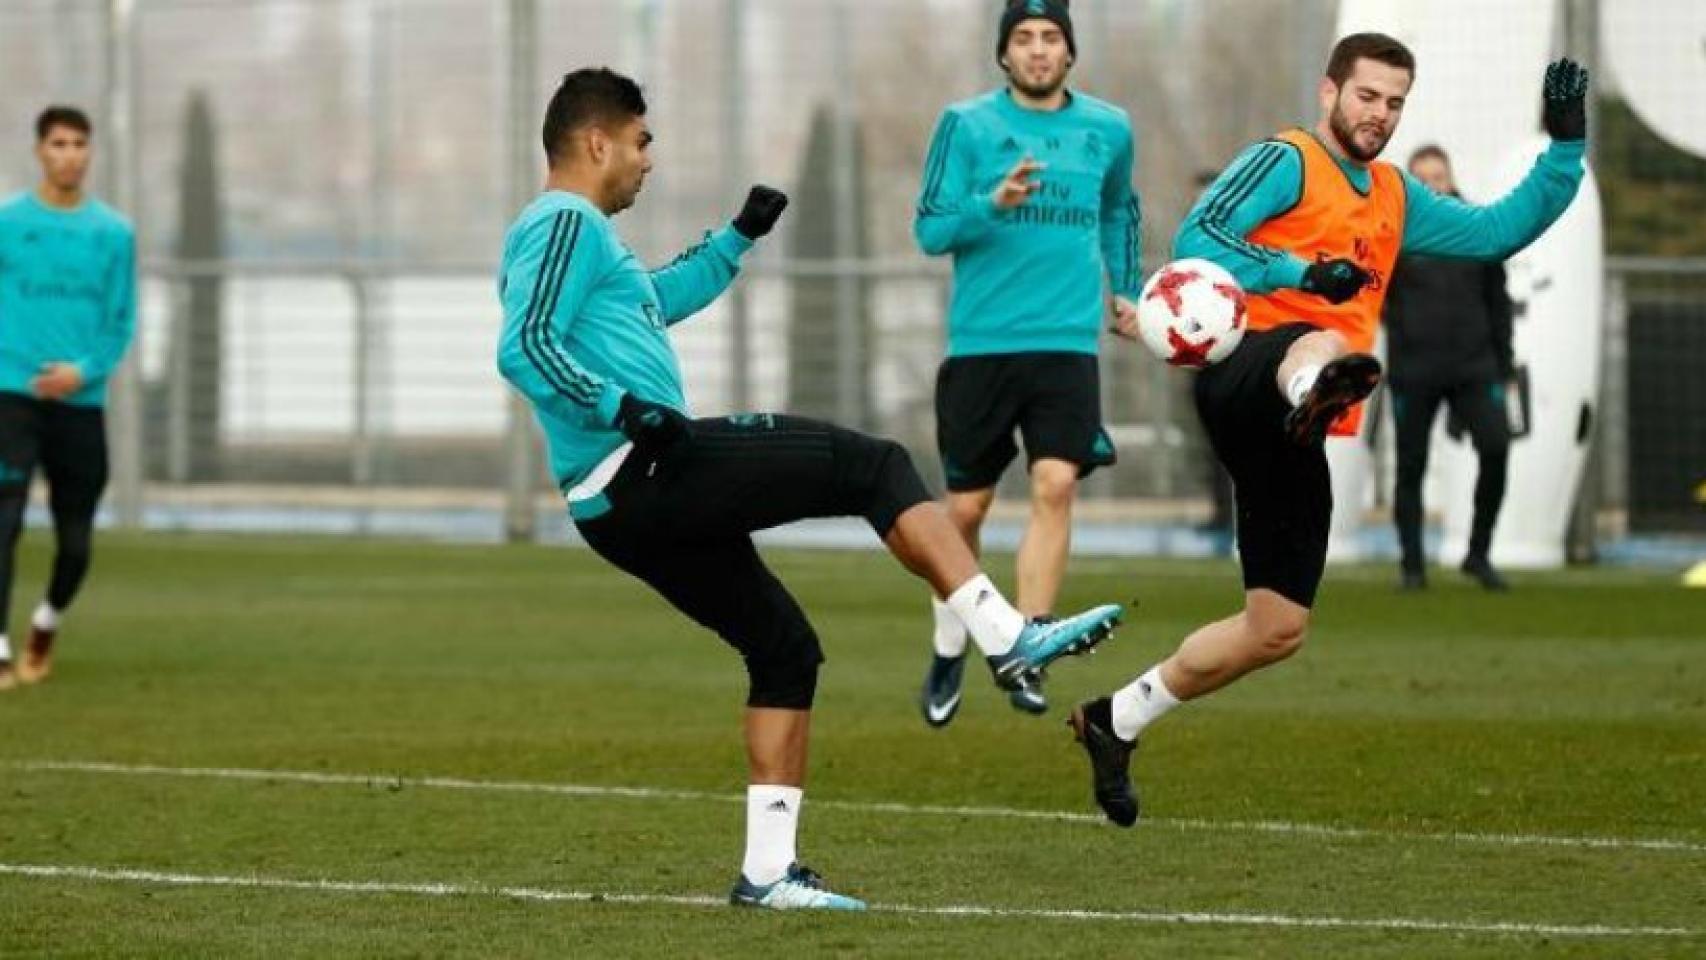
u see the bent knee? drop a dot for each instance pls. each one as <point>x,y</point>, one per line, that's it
<point>1276,647</point>
<point>1277,638</point>
<point>1054,483</point>
<point>784,676</point>
<point>963,512</point>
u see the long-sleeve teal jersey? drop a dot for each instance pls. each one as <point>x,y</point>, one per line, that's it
<point>67,293</point>
<point>585,323</point>
<point>1031,278</point>
<point>1264,181</point>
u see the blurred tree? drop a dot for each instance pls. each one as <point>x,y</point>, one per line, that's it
<point>197,346</point>
<point>1654,194</point>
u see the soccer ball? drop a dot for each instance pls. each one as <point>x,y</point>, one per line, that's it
<point>1191,313</point>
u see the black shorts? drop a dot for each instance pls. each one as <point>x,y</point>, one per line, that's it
<point>69,443</point>
<point>681,522</point>
<point>1284,492</point>
<point>1054,400</point>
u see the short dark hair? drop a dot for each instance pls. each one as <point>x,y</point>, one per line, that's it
<point>587,96</point>
<point>62,116</point>
<point>1428,151</point>
<point>1368,46</point>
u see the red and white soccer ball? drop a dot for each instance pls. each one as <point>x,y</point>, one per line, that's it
<point>1191,313</point>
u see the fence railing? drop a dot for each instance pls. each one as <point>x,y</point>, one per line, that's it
<point>352,376</point>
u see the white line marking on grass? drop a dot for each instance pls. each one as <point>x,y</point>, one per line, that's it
<point>1277,827</point>
<point>158,878</point>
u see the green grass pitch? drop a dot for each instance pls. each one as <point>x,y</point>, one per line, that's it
<point>1418,783</point>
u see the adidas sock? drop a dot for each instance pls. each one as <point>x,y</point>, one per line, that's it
<point>992,622</point>
<point>950,636</point>
<point>1141,703</point>
<point>1301,382</point>
<point>5,649</point>
<point>772,821</point>
<point>45,617</point>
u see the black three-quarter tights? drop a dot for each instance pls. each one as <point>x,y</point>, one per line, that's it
<point>70,444</point>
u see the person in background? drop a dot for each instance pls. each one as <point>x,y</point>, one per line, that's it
<point>67,314</point>
<point>1028,189</point>
<point>1448,334</point>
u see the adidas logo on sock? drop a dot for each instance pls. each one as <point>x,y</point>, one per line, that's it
<point>780,806</point>
<point>983,596</point>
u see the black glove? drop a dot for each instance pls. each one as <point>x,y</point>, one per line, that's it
<point>1337,280</point>
<point>1566,90</point>
<point>652,427</point>
<point>764,206</point>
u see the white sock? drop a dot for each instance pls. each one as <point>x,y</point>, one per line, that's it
<point>1300,383</point>
<point>45,617</point>
<point>950,636</point>
<point>5,649</point>
<point>772,820</point>
<point>993,623</point>
<point>1141,703</point>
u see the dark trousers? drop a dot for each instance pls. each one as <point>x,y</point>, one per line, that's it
<point>681,521</point>
<point>1480,407</point>
<point>70,445</point>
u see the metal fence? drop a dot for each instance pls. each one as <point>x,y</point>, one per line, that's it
<point>361,158</point>
<point>1650,459</point>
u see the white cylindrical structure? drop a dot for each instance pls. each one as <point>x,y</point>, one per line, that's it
<point>1351,461</point>
<point>1479,69</point>
<point>1556,286</point>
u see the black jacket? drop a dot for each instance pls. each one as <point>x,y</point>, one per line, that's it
<point>1447,322</point>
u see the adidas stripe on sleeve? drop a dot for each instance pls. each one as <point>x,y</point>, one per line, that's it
<point>949,215</point>
<point>1262,183</point>
<point>549,271</point>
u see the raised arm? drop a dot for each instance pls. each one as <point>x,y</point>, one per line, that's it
<point>1445,226</point>
<point>700,275</point>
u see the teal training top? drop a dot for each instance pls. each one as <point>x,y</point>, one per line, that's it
<point>1031,278</point>
<point>1265,180</point>
<point>67,293</point>
<point>585,322</point>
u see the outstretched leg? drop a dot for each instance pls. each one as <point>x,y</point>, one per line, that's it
<point>1248,405</point>
<point>680,520</point>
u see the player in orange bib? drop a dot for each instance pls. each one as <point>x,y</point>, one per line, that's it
<point>1310,222</point>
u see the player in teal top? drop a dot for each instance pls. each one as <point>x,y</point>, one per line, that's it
<point>1267,406</point>
<point>1028,188</point>
<point>674,501</point>
<point>576,351</point>
<point>67,313</point>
